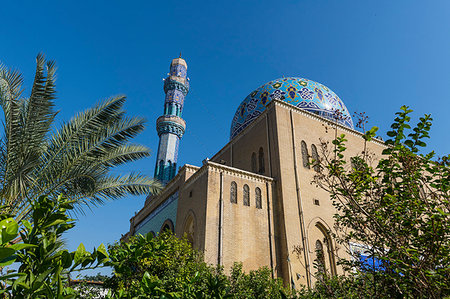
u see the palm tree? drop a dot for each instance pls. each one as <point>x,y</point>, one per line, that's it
<point>74,160</point>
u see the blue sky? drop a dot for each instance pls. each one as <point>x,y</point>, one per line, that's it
<point>376,55</point>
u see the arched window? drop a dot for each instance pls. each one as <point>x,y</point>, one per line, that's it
<point>254,162</point>
<point>315,156</point>
<point>305,156</point>
<point>233,192</point>
<point>167,225</point>
<point>258,199</point>
<point>320,258</point>
<point>246,195</point>
<point>174,109</point>
<point>168,173</point>
<point>174,169</point>
<point>160,168</point>
<point>326,254</point>
<point>261,161</point>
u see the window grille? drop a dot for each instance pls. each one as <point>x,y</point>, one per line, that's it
<point>305,155</point>
<point>315,157</point>
<point>258,200</point>
<point>233,192</point>
<point>246,195</point>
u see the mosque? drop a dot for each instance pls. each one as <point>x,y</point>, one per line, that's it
<point>253,201</point>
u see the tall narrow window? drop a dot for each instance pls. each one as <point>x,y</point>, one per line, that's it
<point>305,156</point>
<point>261,161</point>
<point>246,195</point>
<point>254,162</point>
<point>320,257</point>
<point>233,192</point>
<point>315,157</point>
<point>174,109</point>
<point>325,257</point>
<point>258,200</point>
<point>174,169</point>
<point>160,168</point>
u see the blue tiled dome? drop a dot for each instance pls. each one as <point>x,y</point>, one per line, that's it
<point>303,93</point>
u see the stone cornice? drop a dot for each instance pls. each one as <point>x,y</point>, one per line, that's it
<point>195,176</point>
<point>239,172</point>
<point>213,166</point>
<point>189,167</point>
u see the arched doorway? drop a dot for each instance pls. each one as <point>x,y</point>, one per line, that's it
<point>189,228</point>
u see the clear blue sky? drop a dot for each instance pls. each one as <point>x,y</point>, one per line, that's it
<point>376,55</point>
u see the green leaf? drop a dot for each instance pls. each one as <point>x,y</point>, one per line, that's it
<point>27,224</point>
<point>441,212</point>
<point>66,259</point>
<point>102,254</point>
<point>12,275</point>
<point>80,253</point>
<point>6,252</point>
<point>409,143</point>
<point>55,222</point>
<point>149,236</point>
<point>21,246</point>
<point>9,230</point>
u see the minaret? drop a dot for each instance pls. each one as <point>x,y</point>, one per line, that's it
<point>171,126</point>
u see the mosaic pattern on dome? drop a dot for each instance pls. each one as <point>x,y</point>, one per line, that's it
<point>303,93</point>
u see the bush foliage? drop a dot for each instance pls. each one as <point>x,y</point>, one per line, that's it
<point>168,267</point>
<point>397,208</point>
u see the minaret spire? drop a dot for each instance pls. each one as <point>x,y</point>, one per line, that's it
<point>171,126</point>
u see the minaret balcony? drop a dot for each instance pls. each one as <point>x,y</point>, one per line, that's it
<point>178,83</point>
<point>170,124</point>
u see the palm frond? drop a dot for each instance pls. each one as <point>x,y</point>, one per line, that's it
<point>113,187</point>
<point>38,113</point>
<point>12,109</point>
<point>84,122</point>
<point>122,154</point>
<point>82,156</point>
<point>74,160</point>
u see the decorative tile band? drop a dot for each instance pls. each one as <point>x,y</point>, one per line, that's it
<point>170,84</point>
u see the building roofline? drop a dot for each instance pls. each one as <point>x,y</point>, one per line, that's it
<point>323,119</point>
<point>298,110</point>
<point>167,190</point>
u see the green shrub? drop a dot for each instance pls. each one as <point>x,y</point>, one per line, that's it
<point>44,264</point>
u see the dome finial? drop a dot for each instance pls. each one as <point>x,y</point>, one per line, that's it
<point>180,54</point>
